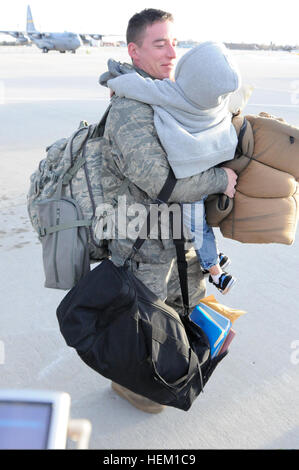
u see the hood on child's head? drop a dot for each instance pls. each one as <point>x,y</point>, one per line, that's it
<point>207,73</point>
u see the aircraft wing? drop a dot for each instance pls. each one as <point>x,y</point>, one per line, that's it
<point>20,36</point>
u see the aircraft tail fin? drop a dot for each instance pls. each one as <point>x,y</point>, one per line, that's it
<point>30,25</point>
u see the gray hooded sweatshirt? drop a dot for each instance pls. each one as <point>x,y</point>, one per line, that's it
<point>190,114</point>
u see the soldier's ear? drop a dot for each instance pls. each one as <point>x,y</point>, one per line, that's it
<point>133,51</point>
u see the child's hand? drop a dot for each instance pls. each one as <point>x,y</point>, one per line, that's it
<point>232,181</point>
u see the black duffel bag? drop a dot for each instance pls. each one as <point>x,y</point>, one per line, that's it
<point>122,330</point>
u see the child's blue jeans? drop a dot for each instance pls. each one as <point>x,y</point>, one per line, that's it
<point>202,235</point>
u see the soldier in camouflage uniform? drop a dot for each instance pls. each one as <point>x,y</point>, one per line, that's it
<point>132,151</point>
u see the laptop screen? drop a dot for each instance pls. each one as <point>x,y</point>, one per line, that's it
<point>24,425</point>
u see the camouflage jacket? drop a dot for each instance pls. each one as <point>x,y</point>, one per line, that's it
<point>132,153</point>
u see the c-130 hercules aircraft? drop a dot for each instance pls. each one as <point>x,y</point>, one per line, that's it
<point>61,42</point>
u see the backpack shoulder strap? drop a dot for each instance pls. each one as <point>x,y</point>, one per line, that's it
<point>100,128</point>
<point>98,131</point>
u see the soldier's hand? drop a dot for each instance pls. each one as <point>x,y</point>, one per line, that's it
<point>232,181</point>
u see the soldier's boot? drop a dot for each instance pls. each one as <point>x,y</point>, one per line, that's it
<point>140,402</point>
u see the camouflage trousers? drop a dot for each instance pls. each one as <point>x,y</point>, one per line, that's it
<point>163,280</point>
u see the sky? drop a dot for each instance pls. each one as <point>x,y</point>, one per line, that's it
<point>253,21</point>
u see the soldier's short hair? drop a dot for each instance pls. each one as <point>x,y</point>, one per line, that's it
<point>139,22</point>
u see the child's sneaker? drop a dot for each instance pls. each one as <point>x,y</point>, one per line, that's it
<point>225,282</point>
<point>223,261</point>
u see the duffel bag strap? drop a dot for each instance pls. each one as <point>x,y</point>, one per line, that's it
<point>162,198</point>
<point>182,269</point>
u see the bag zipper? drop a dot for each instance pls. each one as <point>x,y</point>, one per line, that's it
<point>55,246</point>
<point>162,309</point>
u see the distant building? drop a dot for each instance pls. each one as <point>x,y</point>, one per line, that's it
<point>259,47</point>
<point>243,46</point>
<point>113,41</point>
<point>187,44</point>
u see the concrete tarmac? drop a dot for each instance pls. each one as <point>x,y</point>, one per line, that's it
<point>251,402</point>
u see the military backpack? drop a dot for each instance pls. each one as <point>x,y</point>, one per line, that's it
<point>62,199</point>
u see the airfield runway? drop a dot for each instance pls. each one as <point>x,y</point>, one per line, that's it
<point>251,402</point>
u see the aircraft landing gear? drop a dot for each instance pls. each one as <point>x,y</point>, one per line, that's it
<point>62,52</point>
<point>73,51</point>
<point>45,50</point>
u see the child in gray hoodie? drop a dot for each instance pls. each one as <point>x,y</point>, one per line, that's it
<point>193,122</point>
